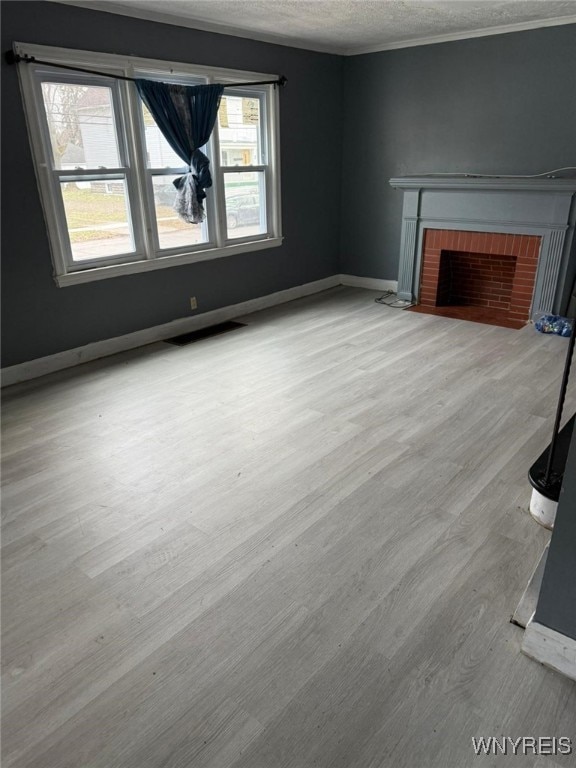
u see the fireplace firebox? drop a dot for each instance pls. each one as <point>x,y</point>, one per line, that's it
<point>479,269</point>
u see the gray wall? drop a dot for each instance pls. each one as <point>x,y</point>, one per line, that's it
<point>557,601</point>
<point>39,318</point>
<point>501,104</point>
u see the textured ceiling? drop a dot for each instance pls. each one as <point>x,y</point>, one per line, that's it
<point>349,26</point>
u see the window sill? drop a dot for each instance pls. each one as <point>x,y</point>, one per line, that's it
<point>134,267</point>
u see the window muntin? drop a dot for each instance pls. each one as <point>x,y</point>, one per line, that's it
<point>136,223</point>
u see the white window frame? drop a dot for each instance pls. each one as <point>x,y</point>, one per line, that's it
<point>147,256</point>
<point>262,168</point>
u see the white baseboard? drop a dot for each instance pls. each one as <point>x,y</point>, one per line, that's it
<point>529,599</point>
<point>371,283</point>
<point>550,648</point>
<point>71,357</point>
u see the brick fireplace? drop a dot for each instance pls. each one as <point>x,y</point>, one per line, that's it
<point>495,244</point>
<point>479,269</point>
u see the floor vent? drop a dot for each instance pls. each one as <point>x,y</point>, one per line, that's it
<point>205,333</point>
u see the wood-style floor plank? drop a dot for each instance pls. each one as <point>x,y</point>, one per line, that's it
<point>294,546</point>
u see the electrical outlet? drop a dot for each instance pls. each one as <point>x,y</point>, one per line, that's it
<point>193,302</point>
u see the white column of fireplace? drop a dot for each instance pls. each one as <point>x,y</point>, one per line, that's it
<point>543,207</point>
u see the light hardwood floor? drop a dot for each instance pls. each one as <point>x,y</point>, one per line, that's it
<point>297,545</point>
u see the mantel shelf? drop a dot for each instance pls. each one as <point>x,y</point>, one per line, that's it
<point>484,182</point>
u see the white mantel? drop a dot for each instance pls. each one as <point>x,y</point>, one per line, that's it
<point>544,207</point>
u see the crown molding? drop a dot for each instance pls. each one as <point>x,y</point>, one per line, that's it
<point>453,36</point>
<point>109,6</point>
<point>119,8</point>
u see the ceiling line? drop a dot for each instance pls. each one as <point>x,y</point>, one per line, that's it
<point>222,29</point>
<point>502,29</point>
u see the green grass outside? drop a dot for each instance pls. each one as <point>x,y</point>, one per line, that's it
<point>85,207</point>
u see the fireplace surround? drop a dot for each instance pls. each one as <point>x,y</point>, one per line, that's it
<point>463,228</point>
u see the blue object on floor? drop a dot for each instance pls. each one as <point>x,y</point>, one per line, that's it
<point>561,326</point>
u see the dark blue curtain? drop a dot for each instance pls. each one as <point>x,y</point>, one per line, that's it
<point>186,115</point>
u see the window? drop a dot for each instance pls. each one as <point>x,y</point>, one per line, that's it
<point>106,172</point>
<point>242,165</point>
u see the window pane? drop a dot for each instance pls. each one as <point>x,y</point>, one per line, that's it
<point>245,204</point>
<point>97,218</point>
<point>173,232</point>
<point>239,119</point>
<point>81,126</point>
<point>159,154</point>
